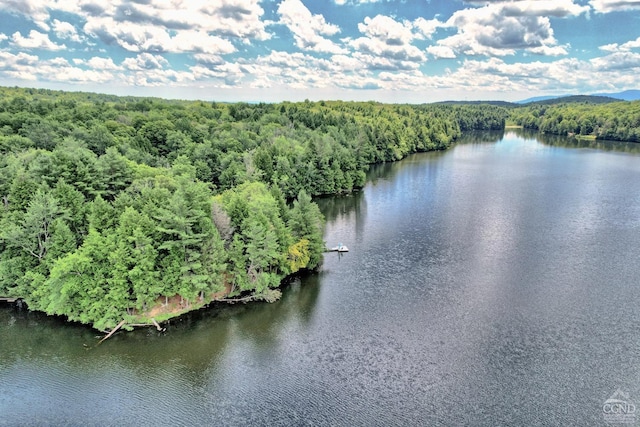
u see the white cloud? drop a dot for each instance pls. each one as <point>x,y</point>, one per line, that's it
<point>402,81</point>
<point>29,67</point>
<point>132,37</point>
<point>567,75</point>
<point>299,70</point>
<point>384,57</point>
<point>140,26</point>
<point>199,41</point>
<point>237,18</point>
<point>426,28</point>
<point>354,2</point>
<point>605,6</point>
<point>65,30</point>
<point>549,50</point>
<point>617,61</point>
<point>624,47</point>
<point>386,44</point>
<point>149,38</point>
<point>145,61</point>
<point>98,63</point>
<point>35,40</point>
<point>9,61</point>
<point>308,29</point>
<point>156,78</point>
<point>555,8</point>
<point>387,30</point>
<point>346,63</point>
<point>208,59</point>
<point>441,52</point>
<point>36,10</point>
<point>502,28</point>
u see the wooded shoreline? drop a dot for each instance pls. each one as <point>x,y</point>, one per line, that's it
<point>110,204</point>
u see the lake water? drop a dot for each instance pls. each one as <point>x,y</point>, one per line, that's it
<point>496,283</point>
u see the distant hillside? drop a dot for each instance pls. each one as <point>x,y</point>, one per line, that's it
<point>496,103</point>
<point>536,99</point>
<point>627,95</point>
<point>589,99</point>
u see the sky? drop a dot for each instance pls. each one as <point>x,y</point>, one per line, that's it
<point>397,51</point>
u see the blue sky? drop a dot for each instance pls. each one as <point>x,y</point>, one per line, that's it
<point>273,50</point>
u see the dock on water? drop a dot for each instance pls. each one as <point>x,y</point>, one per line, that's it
<point>339,248</point>
<point>3,299</point>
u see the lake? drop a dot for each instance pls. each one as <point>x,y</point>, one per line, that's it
<point>496,283</point>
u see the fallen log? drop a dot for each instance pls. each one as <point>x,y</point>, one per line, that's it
<point>113,331</point>
<point>244,299</point>
<point>158,327</point>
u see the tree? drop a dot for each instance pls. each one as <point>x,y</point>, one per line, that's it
<point>114,173</point>
<point>32,233</point>
<point>306,223</point>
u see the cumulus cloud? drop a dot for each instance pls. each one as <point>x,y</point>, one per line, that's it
<point>145,61</point>
<point>387,30</point>
<point>556,8</point>
<point>144,25</point>
<point>237,18</point>
<point>606,6</point>
<point>36,10</point>
<point>208,59</point>
<point>617,61</point>
<point>624,47</point>
<point>149,38</point>
<point>300,70</point>
<point>10,61</point>
<point>35,40</point>
<point>384,55</point>
<point>386,44</point>
<point>354,2</point>
<point>426,27</point>
<point>30,67</point>
<point>501,28</point>
<point>308,29</point>
<point>440,51</point>
<point>565,75</point>
<point>65,30</point>
<point>98,63</point>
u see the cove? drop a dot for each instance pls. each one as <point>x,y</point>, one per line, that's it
<point>495,283</point>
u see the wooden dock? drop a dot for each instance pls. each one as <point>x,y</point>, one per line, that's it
<point>3,299</point>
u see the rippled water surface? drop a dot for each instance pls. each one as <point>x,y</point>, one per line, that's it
<point>497,283</point>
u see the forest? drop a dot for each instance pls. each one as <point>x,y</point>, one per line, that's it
<point>617,121</point>
<point>131,209</point>
<point>127,209</point>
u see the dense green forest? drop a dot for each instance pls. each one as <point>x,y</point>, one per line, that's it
<point>126,208</point>
<point>618,121</point>
<point>131,208</point>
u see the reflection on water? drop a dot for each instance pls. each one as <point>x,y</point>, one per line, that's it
<point>488,136</point>
<point>619,146</point>
<point>491,284</point>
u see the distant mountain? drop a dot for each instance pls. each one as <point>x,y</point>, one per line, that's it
<point>591,99</point>
<point>536,99</point>
<point>627,95</point>
<point>496,103</point>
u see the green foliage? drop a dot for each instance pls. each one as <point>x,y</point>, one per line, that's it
<point>614,121</point>
<point>306,224</point>
<point>112,204</point>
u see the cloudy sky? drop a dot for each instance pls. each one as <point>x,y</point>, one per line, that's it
<point>273,50</point>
